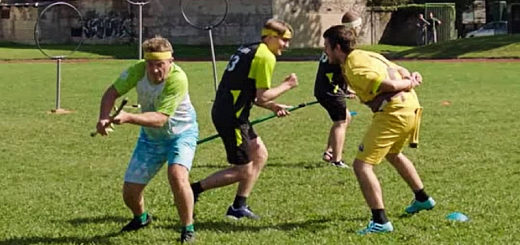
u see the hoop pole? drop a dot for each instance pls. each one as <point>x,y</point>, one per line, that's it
<point>58,83</point>
<point>209,28</point>
<point>213,58</point>
<point>140,52</point>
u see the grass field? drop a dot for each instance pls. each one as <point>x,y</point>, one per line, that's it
<point>15,51</point>
<point>502,46</point>
<point>60,186</point>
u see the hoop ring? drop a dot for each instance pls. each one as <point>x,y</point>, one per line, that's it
<point>208,27</point>
<point>37,27</point>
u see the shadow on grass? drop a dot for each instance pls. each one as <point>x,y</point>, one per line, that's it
<point>98,220</point>
<point>312,225</point>
<point>272,164</point>
<point>99,239</point>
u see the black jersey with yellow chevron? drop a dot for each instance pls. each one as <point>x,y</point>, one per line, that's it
<point>329,80</point>
<point>249,69</point>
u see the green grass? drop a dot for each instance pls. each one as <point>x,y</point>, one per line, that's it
<point>13,51</point>
<point>60,186</point>
<point>504,46</point>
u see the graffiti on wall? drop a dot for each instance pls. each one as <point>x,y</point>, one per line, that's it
<point>113,25</point>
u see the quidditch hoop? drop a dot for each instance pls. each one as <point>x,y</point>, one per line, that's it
<point>206,27</point>
<point>37,28</point>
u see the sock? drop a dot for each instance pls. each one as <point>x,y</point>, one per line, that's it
<point>420,195</point>
<point>197,188</point>
<point>143,217</point>
<point>189,228</point>
<point>240,201</point>
<point>379,216</point>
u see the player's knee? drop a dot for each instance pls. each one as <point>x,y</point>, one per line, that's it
<point>361,167</point>
<point>259,151</point>
<point>178,175</point>
<point>132,191</point>
<point>246,171</point>
<point>262,154</point>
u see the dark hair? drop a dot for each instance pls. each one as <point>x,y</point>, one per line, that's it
<point>341,35</point>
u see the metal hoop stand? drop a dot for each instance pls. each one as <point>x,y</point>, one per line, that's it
<point>208,28</point>
<point>140,5</point>
<point>58,58</point>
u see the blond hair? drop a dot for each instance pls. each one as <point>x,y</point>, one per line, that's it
<point>157,44</point>
<point>279,26</point>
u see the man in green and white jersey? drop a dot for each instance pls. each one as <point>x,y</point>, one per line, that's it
<point>169,131</point>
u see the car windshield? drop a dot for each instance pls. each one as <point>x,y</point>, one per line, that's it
<point>488,26</point>
<point>495,25</point>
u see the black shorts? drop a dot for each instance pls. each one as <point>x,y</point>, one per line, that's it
<point>236,141</point>
<point>336,106</point>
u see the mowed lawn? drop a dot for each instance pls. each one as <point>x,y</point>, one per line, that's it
<point>60,186</point>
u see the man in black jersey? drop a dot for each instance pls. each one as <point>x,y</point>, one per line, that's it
<point>330,89</point>
<point>247,80</point>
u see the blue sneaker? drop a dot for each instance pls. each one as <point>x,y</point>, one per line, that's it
<point>417,206</point>
<point>241,212</point>
<point>373,227</point>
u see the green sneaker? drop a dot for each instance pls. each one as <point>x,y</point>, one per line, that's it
<point>373,227</point>
<point>417,206</point>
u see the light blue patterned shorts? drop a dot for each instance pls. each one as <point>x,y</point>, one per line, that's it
<point>149,156</point>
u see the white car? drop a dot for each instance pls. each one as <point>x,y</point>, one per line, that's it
<point>489,29</point>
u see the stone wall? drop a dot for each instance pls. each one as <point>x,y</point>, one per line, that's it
<point>116,21</point>
<point>19,27</point>
<point>242,24</point>
<point>310,18</point>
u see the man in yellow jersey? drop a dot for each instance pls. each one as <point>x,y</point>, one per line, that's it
<point>247,80</point>
<point>388,90</point>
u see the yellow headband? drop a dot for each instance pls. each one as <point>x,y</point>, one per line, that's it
<point>268,32</point>
<point>157,55</point>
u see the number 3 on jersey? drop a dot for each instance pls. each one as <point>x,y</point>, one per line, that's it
<point>232,62</point>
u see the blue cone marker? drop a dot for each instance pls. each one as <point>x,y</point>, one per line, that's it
<point>457,216</point>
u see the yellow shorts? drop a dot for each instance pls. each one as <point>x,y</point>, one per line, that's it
<point>391,128</point>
